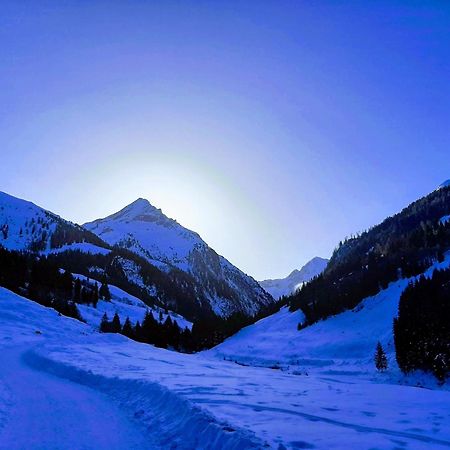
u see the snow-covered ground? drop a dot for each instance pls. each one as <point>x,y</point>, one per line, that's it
<point>173,400</point>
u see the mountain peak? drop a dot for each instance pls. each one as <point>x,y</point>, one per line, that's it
<point>140,203</point>
<point>136,210</point>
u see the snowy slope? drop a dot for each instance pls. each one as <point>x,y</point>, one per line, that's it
<point>145,230</point>
<point>286,286</point>
<point>125,305</point>
<point>26,226</point>
<point>343,342</point>
<point>64,386</point>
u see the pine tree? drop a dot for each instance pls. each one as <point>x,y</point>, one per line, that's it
<point>149,327</point>
<point>127,329</point>
<point>104,291</point>
<point>116,327</point>
<point>380,358</point>
<point>137,331</point>
<point>104,325</point>
<point>95,295</point>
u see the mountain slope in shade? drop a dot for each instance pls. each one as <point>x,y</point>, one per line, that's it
<point>286,286</point>
<point>145,230</point>
<point>26,226</point>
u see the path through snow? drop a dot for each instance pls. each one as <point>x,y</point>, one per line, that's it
<point>47,412</point>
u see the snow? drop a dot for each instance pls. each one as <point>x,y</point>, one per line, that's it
<point>145,230</point>
<point>48,401</point>
<point>203,401</point>
<point>286,286</point>
<point>28,223</point>
<point>54,413</point>
<point>84,247</point>
<point>125,305</point>
<point>17,214</point>
<point>345,342</point>
<point>443,220</point>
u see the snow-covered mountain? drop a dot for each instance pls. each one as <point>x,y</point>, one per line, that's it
<point>286,286</point>
<point>26,226</point>
<point>164,243</point>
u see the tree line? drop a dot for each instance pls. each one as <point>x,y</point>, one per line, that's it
<point>422,327</point>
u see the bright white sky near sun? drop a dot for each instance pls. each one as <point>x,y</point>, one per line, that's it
<point>273,129</point>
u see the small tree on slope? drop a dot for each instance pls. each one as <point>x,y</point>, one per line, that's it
<point>380,358</point>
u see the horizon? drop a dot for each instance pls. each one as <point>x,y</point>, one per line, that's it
<point>299,267</point>
<point>273,132</point>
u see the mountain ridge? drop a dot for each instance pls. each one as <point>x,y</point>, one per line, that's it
<point>288,285</point>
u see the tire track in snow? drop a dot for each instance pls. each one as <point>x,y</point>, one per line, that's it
<point>315,418</point>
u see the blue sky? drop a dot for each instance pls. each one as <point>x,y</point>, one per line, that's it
<point>274,129</point>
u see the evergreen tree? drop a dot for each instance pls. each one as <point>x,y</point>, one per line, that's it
<point>137,331</point>
<point>105,325</point>
<point>95,295</point>
<point>116,327</point>
<point>104,291</point>
<point>127,329</point>
<point>380,358</point>
<point>422,328</point>
<point>66,284</point>
<point>149,328</point>
<point>77,291</point>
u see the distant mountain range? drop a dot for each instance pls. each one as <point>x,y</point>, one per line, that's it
<point>287,286</point>
<point>140,250</point>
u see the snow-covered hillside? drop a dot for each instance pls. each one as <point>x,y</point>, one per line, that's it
<point>65,386</point>
<point>125,305</point>
<point>342,343</point>
<point>145,230</point>
<point>286,286</point>
<point>26,226</point>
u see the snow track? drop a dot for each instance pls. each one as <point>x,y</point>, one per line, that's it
<point>46,412</point>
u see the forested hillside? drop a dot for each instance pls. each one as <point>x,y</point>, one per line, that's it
<point>401,246</point>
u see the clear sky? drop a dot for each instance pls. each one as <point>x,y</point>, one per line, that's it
<point>274,129</point>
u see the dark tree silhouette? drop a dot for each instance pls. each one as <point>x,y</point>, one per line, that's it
<point>381,362</point>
